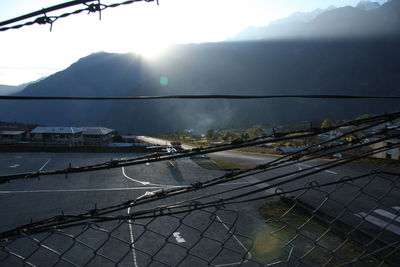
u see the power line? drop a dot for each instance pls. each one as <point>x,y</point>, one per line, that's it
<point>45,10</point>
<point>105,214</point>
<point>43,18</point>
<point>238,97</point>
<point>274,137</point>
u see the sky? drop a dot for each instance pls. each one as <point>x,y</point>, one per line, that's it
<point>32,52</point>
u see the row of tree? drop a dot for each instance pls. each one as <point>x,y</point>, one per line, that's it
<point>231,135</point>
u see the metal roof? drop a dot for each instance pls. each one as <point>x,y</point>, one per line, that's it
<point>11,132</point>
<point>57,130</point>
<point>97,130</point>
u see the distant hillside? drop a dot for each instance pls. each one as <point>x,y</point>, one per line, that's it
<point>280,26</point>
<point>13,89</point>
<point>366,19</point>
<point>9,89</point>
<point>302,16</point>
<point>368,5</point>
<point>367,67</point>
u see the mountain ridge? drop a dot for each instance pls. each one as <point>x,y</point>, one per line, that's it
<point>323,67</point>
<point>334,63</point>
<point>366,19</point>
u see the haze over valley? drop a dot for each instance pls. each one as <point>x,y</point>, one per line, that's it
<point>333,59</point>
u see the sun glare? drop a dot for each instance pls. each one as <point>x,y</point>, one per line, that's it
<point>151,50</point>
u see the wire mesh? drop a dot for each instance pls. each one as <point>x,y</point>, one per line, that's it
<point>352,222</point>
<point>307,218</point>
<point>42,17</point>
<point>199,238</point>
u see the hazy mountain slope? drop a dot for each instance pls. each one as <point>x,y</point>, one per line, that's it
<point>279,27</point>
<point>368,5</point>
<point>99,74</point>
<point>14,89</point>
<point>9,89</point>
<point>302,16</point>
<point>367,19</point>
<point>324,67</point>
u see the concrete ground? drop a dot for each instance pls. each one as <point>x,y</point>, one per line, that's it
<point>192,239</point>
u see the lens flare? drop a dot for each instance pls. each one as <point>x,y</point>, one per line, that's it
<point>164,81</point>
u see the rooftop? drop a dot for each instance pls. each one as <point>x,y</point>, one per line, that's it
<point>97,130</point>
<point>11,132</point>
<point>57,130</point>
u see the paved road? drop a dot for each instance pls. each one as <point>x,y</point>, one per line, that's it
<point>372,204</point>
<point>40,199</point>
<point>168,239</point>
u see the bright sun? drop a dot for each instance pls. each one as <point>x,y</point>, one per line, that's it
<point>150,50</point>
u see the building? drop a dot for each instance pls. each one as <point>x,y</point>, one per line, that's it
<point>70,136</point>
<point>97,136</point>
<point>388,154</point>
<point>8,126</point>
<point>11,137</point>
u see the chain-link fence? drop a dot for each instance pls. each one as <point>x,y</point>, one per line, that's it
<point>355,222</point>
<point>306,216</point>
<point>198,238</point>
<point>352,222</point>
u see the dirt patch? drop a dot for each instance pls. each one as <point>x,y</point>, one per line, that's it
<point>311,241</point>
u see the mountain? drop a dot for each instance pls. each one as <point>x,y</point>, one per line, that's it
<point>302,16</point>
<point>366,19</point>
<point>368,5</point>
<point>9,89</point>
<point>13,89</point>
<point>366,67</point>
<point>277,27</point>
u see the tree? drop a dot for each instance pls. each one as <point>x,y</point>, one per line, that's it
<point>326,123</point>
<point>255,132</point>
<point>210,134</point>
<point>228,136</point>
<point>244,136</point>
<point>364,116</point>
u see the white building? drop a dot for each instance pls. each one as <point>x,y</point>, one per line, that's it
<point>7,137</point>
<point>97,136</point>
<point>393,153</point>
<point>71,136</point>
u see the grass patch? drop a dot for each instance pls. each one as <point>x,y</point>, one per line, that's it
<point>386,163</point>
<point>223,164</point>
<point>206,164</point>
<point>217,164</point>
<point>308,237</point>
<point>259,150</point>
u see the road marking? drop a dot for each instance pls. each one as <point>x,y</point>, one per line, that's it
<point>379,222</point>
<point>14,166</point>
<point>387,214</point>
<point>44,165</point>
<point>132,239</point>
<point>77,190</point>
<point>299,167</point>
<point>178,237</point>
<point>309,166</point>
<point>294,174</point>
<point>172,163</point>
<point>240,244</point>
<point>130,178</point>
<point>396,208</point>
<point>148,183</point>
